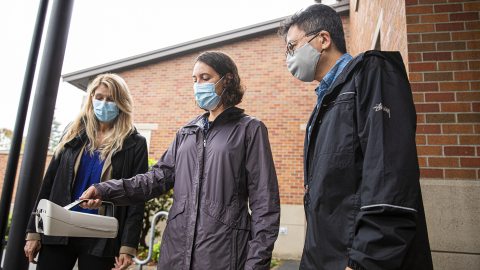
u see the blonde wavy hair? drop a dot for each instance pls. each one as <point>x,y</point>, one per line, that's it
<point>86,120</point>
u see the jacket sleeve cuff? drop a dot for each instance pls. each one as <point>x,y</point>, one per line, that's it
<point>355,265</point>
<point>33,237</point>
<point>128,250</point>
<point>102,192</point>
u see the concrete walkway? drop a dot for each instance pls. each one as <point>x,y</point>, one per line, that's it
<point>289,266</point>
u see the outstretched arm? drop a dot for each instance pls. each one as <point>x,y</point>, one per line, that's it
<point>138,189</point>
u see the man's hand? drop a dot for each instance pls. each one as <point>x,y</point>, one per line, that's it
<point>348,268</point>
<point>31,249</point>
<point>92,194</point>
<point>122,262</point>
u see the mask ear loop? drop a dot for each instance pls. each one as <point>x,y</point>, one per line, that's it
<point>222,92</point>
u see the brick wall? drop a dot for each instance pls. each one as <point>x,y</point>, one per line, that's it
<point>346,30</point>
<point>3,165</point>
<point>364,23</point>
<point>443,46</point>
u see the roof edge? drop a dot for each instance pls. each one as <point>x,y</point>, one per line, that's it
<point>80,78</point>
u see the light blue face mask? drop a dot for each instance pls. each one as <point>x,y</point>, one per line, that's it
<point>205,95</point>
<point>105,111</point>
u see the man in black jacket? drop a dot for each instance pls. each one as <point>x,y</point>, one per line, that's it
<point>363,202</point>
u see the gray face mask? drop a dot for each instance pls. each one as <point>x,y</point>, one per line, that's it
<point>303,63</point>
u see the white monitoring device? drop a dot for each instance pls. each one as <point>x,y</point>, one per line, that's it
<point>54,220</point>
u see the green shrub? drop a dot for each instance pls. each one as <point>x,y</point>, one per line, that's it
<point>155,252</point>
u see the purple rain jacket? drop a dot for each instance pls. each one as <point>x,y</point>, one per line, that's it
<point>216,178</point>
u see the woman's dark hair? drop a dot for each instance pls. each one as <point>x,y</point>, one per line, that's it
<point>316,18</point>
<point>223,64</point>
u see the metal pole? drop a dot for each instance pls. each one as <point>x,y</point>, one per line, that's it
<point>34,157</point>
<point>14,153</point>
<point>152,236</point>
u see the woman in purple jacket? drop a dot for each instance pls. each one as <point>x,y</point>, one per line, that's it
<point>219,165</point>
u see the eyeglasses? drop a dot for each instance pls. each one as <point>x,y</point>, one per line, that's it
<point>290,46</point>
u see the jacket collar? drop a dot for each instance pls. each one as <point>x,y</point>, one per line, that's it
<point>221,119</point>
<point>394,58</point>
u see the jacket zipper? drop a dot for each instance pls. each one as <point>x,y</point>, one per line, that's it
<point>235,249</point>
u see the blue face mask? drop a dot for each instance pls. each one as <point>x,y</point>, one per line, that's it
<point>105,111</point>
<point>205,95</point>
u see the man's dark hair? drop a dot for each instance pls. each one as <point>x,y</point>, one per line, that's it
<point>316,18</point>
<point>223,64</point>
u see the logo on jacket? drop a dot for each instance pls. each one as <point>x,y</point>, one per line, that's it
<point>380,107</point>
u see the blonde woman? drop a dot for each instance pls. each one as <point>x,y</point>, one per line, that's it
<point>99,145</point>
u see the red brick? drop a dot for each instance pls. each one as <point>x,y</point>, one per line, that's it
<point>422,66</point>
<point>455,107</point>
<point>429,150</point>
<point>440,118</point>
<point>442,162</point>
<point>467,55</point>
<point>460,174</point>
<point>422,161</point>
<point>437,56</point>
<point>412,57</point>
<point>451,46</point>
<point>424,87</point>
<point>420,118</point>
<point>441,140</point>
<point>428,129</point>
<point>432,1</point>
<point>457,129</point>
<point>466,16</point>
<point>468,96</point>
<point>474,65</point>
<point>472,25</point>
<point>420,139</point>
<point>452,66</point>
<point>448,8</point>
<point>418,9</point>
<point>439,97</point>
<point>468,117</point>
<point>413,19</point>
<point>440,27</point>
<point>454,86</point>
<point>471,6</point>
<point>411,2</point>
<point>426,107</point>
<point>436,37</point>
<point>470,162</point>
<point>459,151</point>
<point>438,76</point>
<point>417,97</point>
<point>413,38</point>
<point>415,77</point>
<point>431,173</point>
<point>477,128</point>
<point>467,75</point>
<point>468,35</point>
<point>473,139</point>
<point>475,85</point>
<point>473,45</point>
<point>418,28</point>
<point>421,47</point>
<point>434,18</point>
<point>476,107</point>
